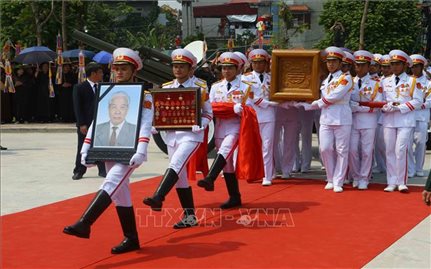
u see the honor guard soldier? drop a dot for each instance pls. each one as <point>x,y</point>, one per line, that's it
<point>182,144</point>
<point>379,146</point>
<point>422,115</point>
<point>385,66</point>
<point>335,119</point>
<point>402,97</point>
<point>116,184</point>
<point>364,124</point>
<point>265,109</point>
<point>229,90</point>
<point>348,62</point>
<point>375,66</point>
<point>244,62</point>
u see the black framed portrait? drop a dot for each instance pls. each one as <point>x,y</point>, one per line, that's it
<point>176,108</point>
<point>117,122</point>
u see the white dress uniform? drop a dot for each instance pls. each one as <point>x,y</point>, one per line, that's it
<point>363,129</point>
<point>335,126</point>
<point>420,133</point>
<point>226,132</point>
<point>265,111</point>
<point>399,124</point>
<point>286,138</point>
<point>116,183</point>
<point>306,132</point>
<point>379,145</point>
<point>182,144</point>
<point>115,187</point>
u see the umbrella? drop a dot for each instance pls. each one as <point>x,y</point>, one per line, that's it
<point>103,57</point>
<point>35,55</point>
<point>75,53</point>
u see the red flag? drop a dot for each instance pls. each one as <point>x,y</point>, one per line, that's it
<point>199,160</point>
<point>249,165</point>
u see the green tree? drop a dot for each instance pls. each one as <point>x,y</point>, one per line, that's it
<point>389,25</point>
<point>287,28</point>
<point>116,23</point>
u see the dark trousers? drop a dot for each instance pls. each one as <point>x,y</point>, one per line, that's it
<point>79,168</point>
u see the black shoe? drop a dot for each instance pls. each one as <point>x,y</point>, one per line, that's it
<point>208,182</point>
<point>233,201</point>
<point>233,190</point>
<point>186,199</point>
<point>77,176</point>
<point>82,228</point>
<point>126,245</point>
<point>3,148</point>
<point>128,225</point>
<point>102,175</point>
<point>208,185</point>
<point>165,186</point>
<point>79,229</point>
<point>187,222</point>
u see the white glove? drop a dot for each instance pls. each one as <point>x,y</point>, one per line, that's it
<point>287,104</point>
<point>354,106</point>
<point>272,103</point>
<point>83,158</point>
<point>197,129</point>
<point>312,106</point>
<point>237,108</point>
<point>137,160</point>
<point>388,108</point>
<point>154,130</point>
<point>299,104</point>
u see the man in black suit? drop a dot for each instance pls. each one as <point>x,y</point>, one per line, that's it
<point>83,103</point>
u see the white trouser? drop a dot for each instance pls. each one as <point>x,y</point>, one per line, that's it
<point>317,124</point>
<point>398,141</point>
<point>306,138</point>
<point>285,154</point>
<point>380,150</point>
<point>267,135</point>
<point>334,150</point>
<point>420,138</point>
<point>226,146</point>
<point>361,153</point>
<point>116,183</point>
<point>179,156</point>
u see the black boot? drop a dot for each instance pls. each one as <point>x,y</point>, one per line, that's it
<point>233,190</point>
<point>189,217</point>
<point>128,224</point>
<point>165,186</point>
<point>100,203</point>
<point>208,182</point>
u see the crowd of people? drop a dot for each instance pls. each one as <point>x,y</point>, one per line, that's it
<point>367,101</point>
<point>32,101</point>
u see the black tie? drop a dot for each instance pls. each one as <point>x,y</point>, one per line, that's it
<point>397,79</point>
<point>261,77</point>
<point>330,78</point>
<point>228,86</point>
<point>181,86</point>
<point>95,87</point>
<point>359,83</point>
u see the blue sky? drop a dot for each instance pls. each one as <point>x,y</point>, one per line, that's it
<point>171,3</point>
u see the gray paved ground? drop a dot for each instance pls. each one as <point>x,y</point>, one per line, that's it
<point>37,167</point>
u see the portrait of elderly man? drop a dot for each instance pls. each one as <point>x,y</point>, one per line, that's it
<point>116,132</point>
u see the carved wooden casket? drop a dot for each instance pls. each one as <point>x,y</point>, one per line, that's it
<point>295,75</point>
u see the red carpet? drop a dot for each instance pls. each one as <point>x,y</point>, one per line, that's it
<point>294,223</point>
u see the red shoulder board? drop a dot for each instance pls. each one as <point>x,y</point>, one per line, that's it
<point>419,86</point>
<point>344,82</point>
<point>147,104</point>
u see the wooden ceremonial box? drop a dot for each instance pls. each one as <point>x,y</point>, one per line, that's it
<point>295,75</point>
<point>176,108</point>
